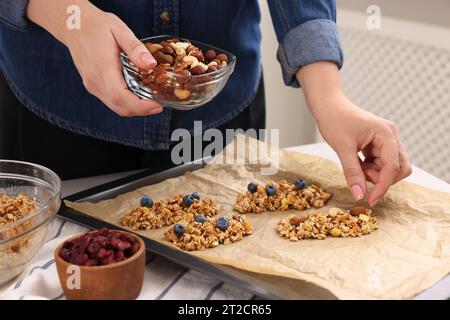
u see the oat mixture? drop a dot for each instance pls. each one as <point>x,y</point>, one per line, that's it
<point>280,197</point>
<point>207,232</point>
<point>15,208</point>
<point>355,222</point>
<point>167,211</point>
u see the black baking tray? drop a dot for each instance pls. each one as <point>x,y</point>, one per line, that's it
<point>263,286</point>
<point>233,276</point>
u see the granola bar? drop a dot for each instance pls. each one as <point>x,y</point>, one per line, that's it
<point>14,208</point>
<point>148,215</point>
<point>355,222</point>
<point>281,197</point>
<point>207,232</point>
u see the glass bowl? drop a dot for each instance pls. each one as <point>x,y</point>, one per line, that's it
<point>200,89</point>
<point>21,240</point>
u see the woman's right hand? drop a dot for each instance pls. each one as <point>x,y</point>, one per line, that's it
<point>95,50</point>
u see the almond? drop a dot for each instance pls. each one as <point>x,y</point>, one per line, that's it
<point>296,220</point>
<point>182,94</point>
<point>163,58</point>
<point>356,211</point>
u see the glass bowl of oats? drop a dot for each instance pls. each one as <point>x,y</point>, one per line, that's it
<point>30,196</point>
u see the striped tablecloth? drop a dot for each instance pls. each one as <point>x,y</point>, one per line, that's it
<point>163,279</point>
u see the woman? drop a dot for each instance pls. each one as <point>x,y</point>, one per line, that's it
<point>72,111</point>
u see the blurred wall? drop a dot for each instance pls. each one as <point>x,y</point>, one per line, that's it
<point>286,109</point>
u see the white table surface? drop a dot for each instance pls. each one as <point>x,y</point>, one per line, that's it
<point>168,274</point>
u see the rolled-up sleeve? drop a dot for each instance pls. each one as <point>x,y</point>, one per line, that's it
<point>306,31</point>
<point>13,13</point>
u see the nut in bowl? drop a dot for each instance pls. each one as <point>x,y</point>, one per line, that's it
<point>188,74</point>
<point>101,265</point>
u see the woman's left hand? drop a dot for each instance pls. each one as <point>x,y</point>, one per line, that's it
<point>349,129</point>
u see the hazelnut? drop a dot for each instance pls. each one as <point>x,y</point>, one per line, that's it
<point>182,94</point>
<point>153,47</point>
<point>356,211</point>
<point>222,57</point>
<point>183,76</point>
<point>296,220</point>
<point>210,55</point>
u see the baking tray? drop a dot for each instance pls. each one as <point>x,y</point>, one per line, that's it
<point>263,286</point>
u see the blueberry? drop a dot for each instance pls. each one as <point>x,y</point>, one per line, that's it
<point>187,200</point>
<point>270,190</point>
<point>300,184</point>
<point>222,223</point>
<point>178,229</point>
<point>146,201</point>
<point>196,195</point>
<point>252,187</point>
<point>200,218</point>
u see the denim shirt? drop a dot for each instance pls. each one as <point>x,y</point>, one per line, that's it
<point>42,74</point>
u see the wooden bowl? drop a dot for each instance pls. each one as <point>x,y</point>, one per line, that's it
<point>117,281</point>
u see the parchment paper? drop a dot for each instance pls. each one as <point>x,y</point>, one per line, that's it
<point>409,252</point>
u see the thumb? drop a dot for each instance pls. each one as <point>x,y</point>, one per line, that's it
<point>356,180</point>
<point>135,49</point>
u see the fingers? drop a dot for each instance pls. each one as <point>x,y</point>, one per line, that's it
<point>389,169</point>
<point>135,49</point>
<point>371,170</point>
<point>405,165</point>
<point>356,180</point>
<point>124,100</point>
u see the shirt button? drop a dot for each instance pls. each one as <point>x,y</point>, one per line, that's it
<point>165,17</point>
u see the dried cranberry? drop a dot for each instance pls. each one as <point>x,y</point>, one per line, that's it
<point>91,263</point>
<point>65,254</point>
<point>108,260</point>
<point>102,232</point>
<point>93,248</point>
<point>128,237</point>
<point>134,248</point>
<point>100,247</point>
<point>120,244</point>
<point>101,240</point>
<point>67,245</point>
<point>79,259</point>
<point>119,256</point>
<point>102,253</point>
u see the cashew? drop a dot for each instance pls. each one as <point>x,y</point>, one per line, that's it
<point>190,61</point>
